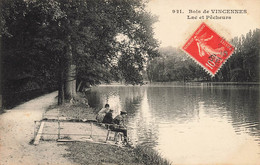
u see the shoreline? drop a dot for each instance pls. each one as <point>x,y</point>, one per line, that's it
<point>177,83</point>
<point>18,148</point>
<point>100,152</point>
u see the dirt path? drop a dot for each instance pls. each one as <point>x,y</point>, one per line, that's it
<point>17,130</point>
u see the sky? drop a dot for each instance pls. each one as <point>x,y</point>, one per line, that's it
<point>174,29</point>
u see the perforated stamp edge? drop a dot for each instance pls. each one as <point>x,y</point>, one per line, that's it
<point>195,60</point>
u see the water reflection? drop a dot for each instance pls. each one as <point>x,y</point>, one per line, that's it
<point>190,124</point>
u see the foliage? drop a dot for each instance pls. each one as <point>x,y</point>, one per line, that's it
<point>244,63</point>
<point>174,65</point>
<point>40,38</point>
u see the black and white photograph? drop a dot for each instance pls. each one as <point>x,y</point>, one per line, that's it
<point>129,82</point>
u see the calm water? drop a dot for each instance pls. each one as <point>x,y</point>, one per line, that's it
<point>190,124</point>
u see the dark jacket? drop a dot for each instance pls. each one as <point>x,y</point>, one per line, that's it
<point>108,119</point>
<point>120,121</point>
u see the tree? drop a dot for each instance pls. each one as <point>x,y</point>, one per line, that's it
<point>242,66</point>
<point>62,41</point>
<point>244,63</point>
<point>20,61</point>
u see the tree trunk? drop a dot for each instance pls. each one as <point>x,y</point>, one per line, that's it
<point>61,89</point>
<point>78,88</point>
<point>70,84</point>
<point>1,104</point>
<point>1,78</point>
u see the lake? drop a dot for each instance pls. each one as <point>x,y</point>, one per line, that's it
<point>193,123</point>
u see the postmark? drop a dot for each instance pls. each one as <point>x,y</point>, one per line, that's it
<point>208,49</point>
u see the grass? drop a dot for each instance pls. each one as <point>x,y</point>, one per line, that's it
<point>86,153</point>
<point>77,110</point>
<point>149,156</point>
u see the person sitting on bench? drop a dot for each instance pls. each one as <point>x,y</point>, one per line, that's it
<point>101,114</point>
<point>108,119</point>
<point>119,125</point>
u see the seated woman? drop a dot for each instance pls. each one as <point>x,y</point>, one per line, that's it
<point>108,119</point>
<point>101,114</point>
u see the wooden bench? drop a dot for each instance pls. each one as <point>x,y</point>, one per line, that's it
<point>117,135</point>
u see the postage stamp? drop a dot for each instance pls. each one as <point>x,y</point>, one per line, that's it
<point>208,49</point>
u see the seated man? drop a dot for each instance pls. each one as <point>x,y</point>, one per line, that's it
<point>119,125</point>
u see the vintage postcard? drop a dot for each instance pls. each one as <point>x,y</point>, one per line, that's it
<point>129,82</point>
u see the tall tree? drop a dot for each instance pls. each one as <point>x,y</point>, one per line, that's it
<point>62,41</point>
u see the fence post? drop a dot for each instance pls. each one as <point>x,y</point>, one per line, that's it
<point>34,132</point>
<point>58,130</point>
<point>91,129</point>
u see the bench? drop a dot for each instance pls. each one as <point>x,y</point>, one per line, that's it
<point>117,135</point>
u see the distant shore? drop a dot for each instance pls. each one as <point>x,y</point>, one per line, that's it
<point>184,83</point>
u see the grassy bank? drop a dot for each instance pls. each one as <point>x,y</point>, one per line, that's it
<point>97,153</point>
<point>90,153</point>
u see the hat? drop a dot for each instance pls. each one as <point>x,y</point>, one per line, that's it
<point>123,112</point>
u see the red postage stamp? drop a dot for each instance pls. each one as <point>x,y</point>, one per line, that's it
<point>207,48</point>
